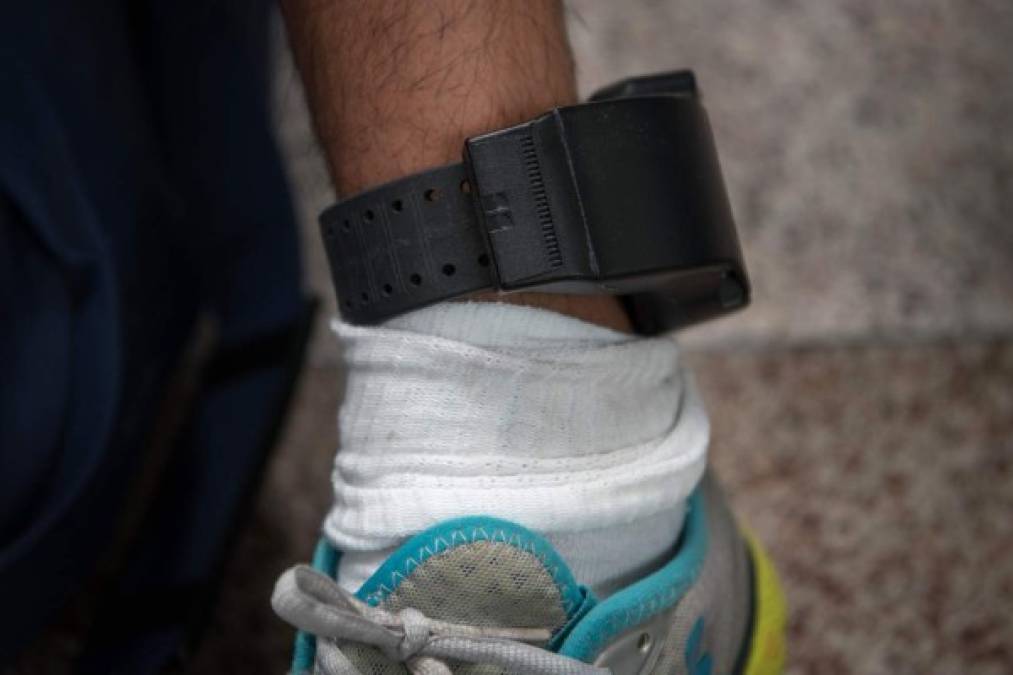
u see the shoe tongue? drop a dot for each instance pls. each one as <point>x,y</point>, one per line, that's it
<point>479,571</point>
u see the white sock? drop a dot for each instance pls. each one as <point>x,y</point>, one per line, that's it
<point>592,437</point>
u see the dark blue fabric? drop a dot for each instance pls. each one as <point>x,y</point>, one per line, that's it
<point>139,186</point>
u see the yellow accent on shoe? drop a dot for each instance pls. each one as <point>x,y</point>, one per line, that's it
<point>767,651</point>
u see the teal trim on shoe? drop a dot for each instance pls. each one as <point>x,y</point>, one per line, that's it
<point>467,530</point>
<point>575,617</point>
<point>653,594</point>
<point>325,560</point>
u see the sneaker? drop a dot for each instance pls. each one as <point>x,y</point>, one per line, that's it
<point>483,595</point>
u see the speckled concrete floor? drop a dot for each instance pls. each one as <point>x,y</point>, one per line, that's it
<point>863,407</point>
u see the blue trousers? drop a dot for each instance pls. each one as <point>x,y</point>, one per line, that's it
<point>139,187</point>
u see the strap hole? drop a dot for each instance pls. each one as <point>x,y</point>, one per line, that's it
<point>365,298</point>
<point>368,216</point>
<point>349,304</point>
<point>432,194</point>
<point>483,260</point>
<point>644,643</point>
<point>346,226</point>
<point>415,279</point>
<point>466,187</point>
<point>387,290</point>
<point>448,270</point>
<point>397,205</point>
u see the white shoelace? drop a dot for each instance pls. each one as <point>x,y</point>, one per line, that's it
<point>315,604</point>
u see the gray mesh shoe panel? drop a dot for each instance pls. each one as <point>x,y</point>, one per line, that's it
<point>482,583</point>
<point>721,595</point>
<point>369,661</point>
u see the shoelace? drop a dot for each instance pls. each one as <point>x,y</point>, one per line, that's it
<point>314,603</point>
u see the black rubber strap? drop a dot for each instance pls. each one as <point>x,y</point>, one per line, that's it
<point>405,245</point>
<point>622,195</point>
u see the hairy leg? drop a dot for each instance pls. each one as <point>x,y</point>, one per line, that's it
<point>395,86</point>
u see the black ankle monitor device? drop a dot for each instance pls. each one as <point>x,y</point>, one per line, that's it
<point>620,195</point>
